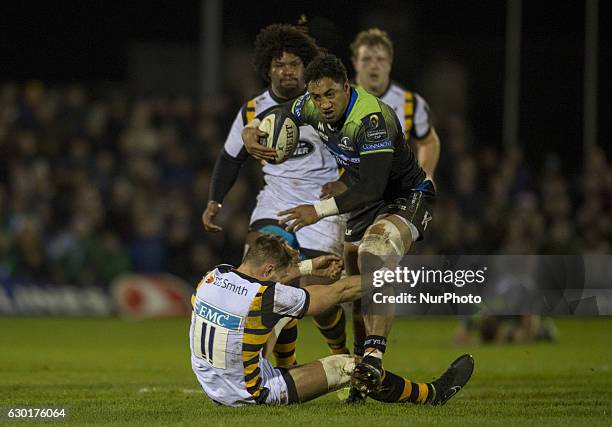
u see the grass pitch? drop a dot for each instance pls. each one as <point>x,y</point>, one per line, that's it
<point>138,373</point>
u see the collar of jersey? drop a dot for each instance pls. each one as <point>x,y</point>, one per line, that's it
<point>386,90</point>
<point>349,107</point>
<point>227,268</point>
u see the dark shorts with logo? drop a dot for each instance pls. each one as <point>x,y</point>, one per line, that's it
<point>416,207</point>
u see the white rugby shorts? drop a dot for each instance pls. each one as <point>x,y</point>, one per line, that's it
<point>326,235</point>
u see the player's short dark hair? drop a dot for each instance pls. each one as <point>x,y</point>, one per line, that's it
<point>326,66</point>
<point>372,37</point>
<point>269,248</point>
<point>275,39</point>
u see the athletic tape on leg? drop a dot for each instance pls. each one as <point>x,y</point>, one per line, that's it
<point>338,370</point>
<point>388,243</point>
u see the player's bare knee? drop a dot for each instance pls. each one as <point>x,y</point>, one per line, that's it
<point>338,370</point>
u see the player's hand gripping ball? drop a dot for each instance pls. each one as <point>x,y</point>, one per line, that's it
<point>283,134</point>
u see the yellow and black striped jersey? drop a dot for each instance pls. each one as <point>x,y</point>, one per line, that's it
<point>233,316</point>
<point>411,109</point>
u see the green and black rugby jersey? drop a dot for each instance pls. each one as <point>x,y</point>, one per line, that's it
<point>369,143</point>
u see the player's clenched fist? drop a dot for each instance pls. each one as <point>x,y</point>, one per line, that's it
<point>327,266</point>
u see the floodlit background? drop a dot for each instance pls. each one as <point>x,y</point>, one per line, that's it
<point>112,115</point>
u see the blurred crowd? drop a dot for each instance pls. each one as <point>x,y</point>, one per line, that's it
<point>97,183</point>
<point>491,202</point>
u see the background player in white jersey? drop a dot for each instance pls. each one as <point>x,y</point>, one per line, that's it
<point>372,55</point>
<point>281,54</point>
<point>234,312</point>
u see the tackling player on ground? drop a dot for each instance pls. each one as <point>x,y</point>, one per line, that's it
<point>390,202</point>
<point>281,53</point>
<point>234,313</point>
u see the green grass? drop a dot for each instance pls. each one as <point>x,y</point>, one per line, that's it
<point>98,369</point>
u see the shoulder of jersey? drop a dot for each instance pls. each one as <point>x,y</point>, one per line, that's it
<point>263,97</point>
<point>397,89</point>
<point>224,268</point>
<point>365,104</point>
<point>227,268</point>
<point>256,104</point>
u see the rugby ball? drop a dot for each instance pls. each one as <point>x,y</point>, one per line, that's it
<point>283,133</point>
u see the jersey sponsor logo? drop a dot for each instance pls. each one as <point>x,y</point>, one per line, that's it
<point>346,144</point>
<point>223,283</point>
<point>375,127</point>
<point>375,135</point>
<point>303,148</point>
<point>374,146</point>
<point>374,122</point>
<point>215,315</point>
<point>342,158</point>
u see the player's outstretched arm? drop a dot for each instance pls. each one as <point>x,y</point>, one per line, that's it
<point>323,297</point>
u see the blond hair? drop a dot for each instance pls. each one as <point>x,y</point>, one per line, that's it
<point>372,37</point>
